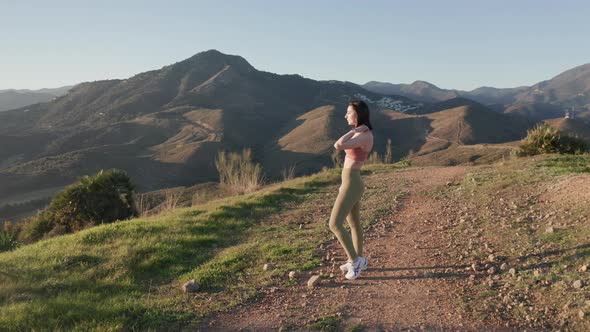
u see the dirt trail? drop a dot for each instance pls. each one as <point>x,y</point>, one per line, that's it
<point>411,283</point>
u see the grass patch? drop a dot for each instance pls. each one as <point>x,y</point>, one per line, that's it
<point>566,164</point>
<point>127,275</point>
<point>328,323</point>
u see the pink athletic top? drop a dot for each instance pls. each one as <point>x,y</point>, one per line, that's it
<point>357,154</point>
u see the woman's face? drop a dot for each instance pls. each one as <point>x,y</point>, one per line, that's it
<point>351,116</point>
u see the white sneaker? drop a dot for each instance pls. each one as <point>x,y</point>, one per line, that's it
<point>364,266</point>
<point>344,267</point>
<point>354,269</point>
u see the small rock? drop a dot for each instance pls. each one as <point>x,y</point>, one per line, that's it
<point>550,230</point>
<point>583,268</point>
<point>314,281</point>
<point>512,272</point>
<point>537,273</point>
<point>581,314</point>
<point>578,284</point>
<point>492,258</point>
<point>476,267</point>
<point>492,270</point>
<point>504,266</point>
<point>267,266</point>
<point>190,286</point>
<point>293,275</point>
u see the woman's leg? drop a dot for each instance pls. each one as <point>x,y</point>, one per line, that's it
<point>340,209</point>
<point>350,193</point>
<point>356,229</point>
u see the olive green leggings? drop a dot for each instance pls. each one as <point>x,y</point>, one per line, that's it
<point>347,206</point>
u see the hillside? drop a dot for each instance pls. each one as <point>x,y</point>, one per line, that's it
<point>164,127</point>
<point>453,135</point>
<point>543,100</point>
<point>418,90</point>
<point>441,243</point>
<point>572,127</point>
<point>11,98</point>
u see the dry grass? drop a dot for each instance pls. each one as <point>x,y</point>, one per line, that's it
<point>238,173</point>
<point>374,158</point>
<point>171,198</point>
<point>288,173</point>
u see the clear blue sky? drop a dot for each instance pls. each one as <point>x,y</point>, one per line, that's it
<point>453,44</point>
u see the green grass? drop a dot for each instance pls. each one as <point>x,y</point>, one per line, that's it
<point>127,275</point>
<point>566,164</point>
<point>328,323</point>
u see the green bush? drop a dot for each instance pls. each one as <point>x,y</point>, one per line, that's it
<point>546,139</point>
<point>34,228</point>
<point>7,241</point>
<point>102,198</point>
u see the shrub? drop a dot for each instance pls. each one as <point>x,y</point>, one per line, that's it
<point>7,240</point>
<point>34,228</point>
<point>546,139</point>
<point>102,198</point>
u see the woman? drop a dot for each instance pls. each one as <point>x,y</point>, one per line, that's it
<point>357,144</point>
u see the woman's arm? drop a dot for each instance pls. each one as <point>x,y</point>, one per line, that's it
<point>346,142</point>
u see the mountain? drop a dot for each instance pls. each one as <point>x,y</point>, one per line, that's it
<point>419,90</point>
<point>490,95</point>
<point>430,93</point>
<point>165,127</point>
<point>570,89</point>
<point>11,99</point>
<point>544,100</point>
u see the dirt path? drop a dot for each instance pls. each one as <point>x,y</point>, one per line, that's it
<point>411,283</point>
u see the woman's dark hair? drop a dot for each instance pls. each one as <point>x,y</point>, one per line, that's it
<point>362,112</point>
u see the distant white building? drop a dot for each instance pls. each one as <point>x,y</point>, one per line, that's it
<point>570,113</point>
<point>386,102</point>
